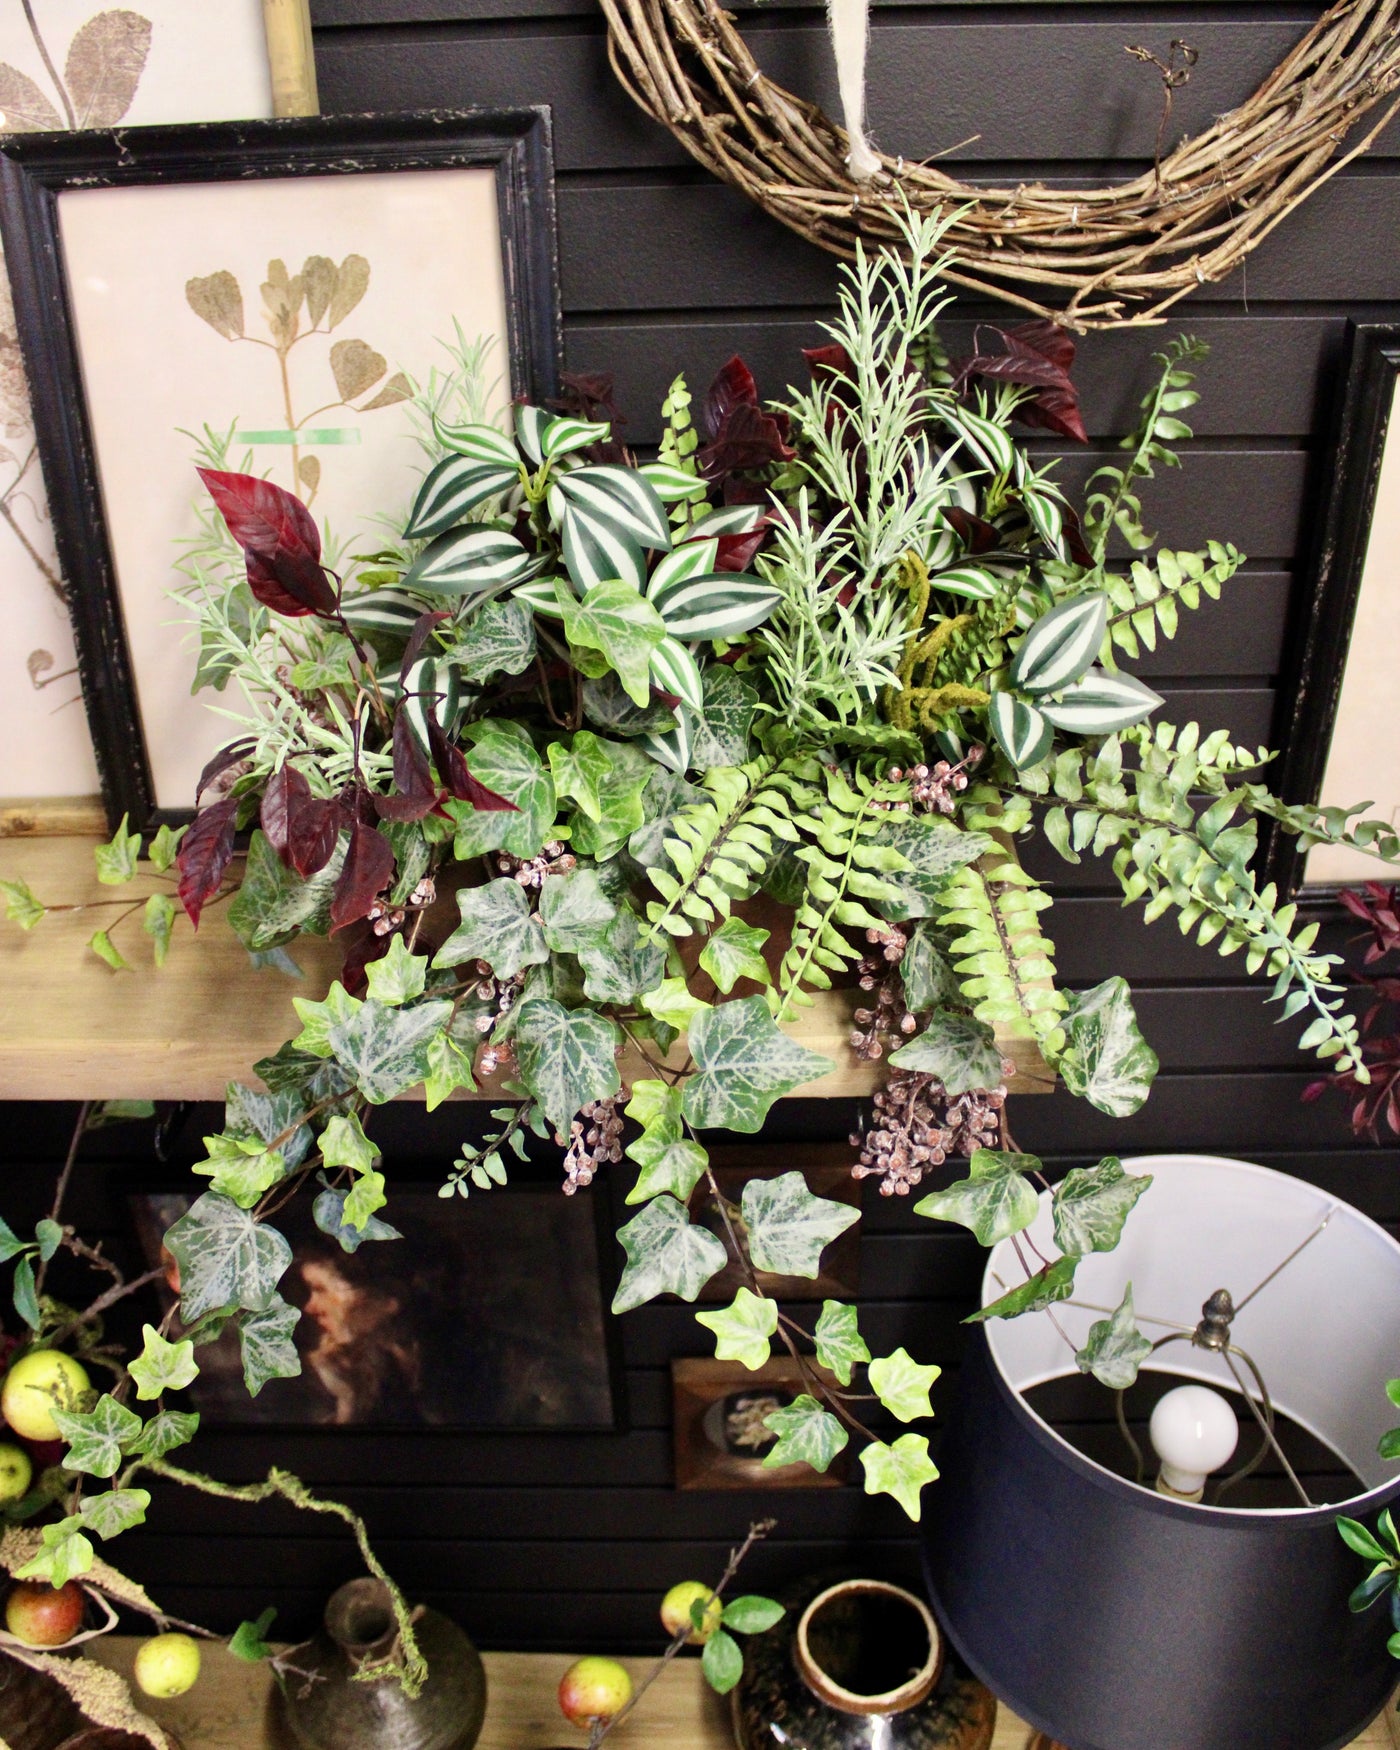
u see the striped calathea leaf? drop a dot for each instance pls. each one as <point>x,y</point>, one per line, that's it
<point>565,435</point>
<point>431,685</point>
<point>456,486</point>
<point>672,485</point>
<point>386,615</point>
<point>478,443</point>
<point>472,561</point>
<point>675,671</point>
<point>1022,733</point>
<point>1100,702</point>
<point>1061,644</point>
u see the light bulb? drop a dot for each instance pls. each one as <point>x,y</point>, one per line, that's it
<point>1194,1432</point>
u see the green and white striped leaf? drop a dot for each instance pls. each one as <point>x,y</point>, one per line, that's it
<point>721,604</point>
<point>621,497</point>
<point>1101,702</point>
<point>729,519</point>
<point>674,670</point>
<point>1023,735</point>
<point>989,442</point>
<point>430,685</point>
<point>541,595</point>
<point>671,747</point>
<point>672,485</point>
<point>942,544</point>
<point>470,561</point>
<point>561,437</point>
<point>690,559</point>
<point>479,443</point>
<point>1061,644</point>
<point>455,486</point>
<point>384,612</point>
<point>595,550</point>
<point>1047,518</point>
<point>530,426</point>
<point>974,583</point>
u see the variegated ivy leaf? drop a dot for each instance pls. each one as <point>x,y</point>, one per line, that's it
<point>615,619</point>
<point>621,812</point>
<point>928,977</point>
<point>669,1161</point>
<point>398,976</point>
<point>240,1169</point>
<point>931,850</point>
<point>743,1330</point>
<point>499,638</point>
<point>735,951</point>
<point>273,1118</point>
<point>385,1051</point>
<point>900,1469</point>
<point>1116,1347</point>
<point>500,754</point>
<point>807,1434</point>
<point>1061,644</point>
<point>158,921</point>
<point>996,1200</point>
<point>567,1057</point>
<point>1055,1282</point>
<point>116,861</point>
<point>225,1257</point>
<point>363,1198</point>
<point>273,903</point>
<point>789,1228</point>
<point>1092,1203</point>
<point>265,1341</point>
<point>317,1019</point>
<point>162,1366</point>
<point>672,1002</point>
<point>166,1430</point>
<point>64,1554</point>
<point>21,905</point>
<point>1021,731</point>
<point>449,1068</point>
<point>959,1049</point>
<point>620,964</point>
<point>743,1063</point>
<point>96,1437</point>
<point>666,1254</point>
<point>722,729</point>
<point>114,1511</point>
<point>164,847</point>
<point>902,1385</point>
<point>840,1346</point>
<point>344,1144</point>
<point>574,911</point>
<point>580,767</point>
<point>328,1212</point>
<point>1106,1060</point>
<point>498,927</point>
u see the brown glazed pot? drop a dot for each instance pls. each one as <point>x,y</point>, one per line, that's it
<point>335,1711</point>
<point>856,1665</point>
<point>36,1713</point>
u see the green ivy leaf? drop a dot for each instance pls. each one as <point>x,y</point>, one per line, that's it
<point>265,1340</point>
<point>96,1437</point>
<point>317,1019</point>
<point>752,1614</point>
<point>65,1554</point>
<point>273,904</point>
<point>929,979</point>
<point>398,976</point>
<point>1116,1347</point>
<point>932,850</point>
<point>735,951</point>
<point>840,1346</point>
<point>959,1049</point>
<point>158,922</point>
<point>1054,1283</point>
<point>162,1366</point>
<point>669,1162</point>
<point>499,638</point>
<point>328,1212</point>
<point>723,728</point>
<point>1092,1203</point>
<point>580,767</point>
<point>567,1057</point>
<point>995,1200</point>
<point>21,907</point>
<point>743,1330</point>
<point>497,927</point>
<point>620,803</point>
<point>225,1258</point>
<point>276,1118</point>
<point>789,1228</point>
<point>902,1385</point>
<point>166,1430</point>
<point>240,1168</point>
<point>116,860</point>
<point>385,1051</point>
<point>449,1068</point>
<point>620,964</point>
<point>164,847</point>
<point>672,1003</point>
<point>743,1063</point>
<point>900,1469</point>
<point>501,755</point>
<point>249,1640</point>
<point>114,1511</point>
<point>107,951</point>
<point>364,1198</point>
<point>722,1662</point>
<point>614,618</point>
<point>574,911</point>
<point>666,1254</point>
<point>807,1434</point>
<point>1106,1060</point>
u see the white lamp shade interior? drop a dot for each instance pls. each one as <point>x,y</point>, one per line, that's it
<point>1325,1332</point>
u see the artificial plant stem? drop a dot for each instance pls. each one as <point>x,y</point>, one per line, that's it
<point>74,1143</point>
<point>109,1298</point>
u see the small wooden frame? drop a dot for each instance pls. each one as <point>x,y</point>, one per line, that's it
<point>698,1388</point>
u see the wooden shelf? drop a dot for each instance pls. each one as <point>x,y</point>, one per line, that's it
<point>73,1029</point>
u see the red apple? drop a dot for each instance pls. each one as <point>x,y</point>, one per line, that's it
<point>42,1616</point>
<point>594,1689</point>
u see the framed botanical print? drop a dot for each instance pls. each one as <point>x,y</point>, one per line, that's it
<point>279,287</point>
<point>1338,722</point>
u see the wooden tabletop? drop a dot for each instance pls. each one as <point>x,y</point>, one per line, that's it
<point>226,1708</point>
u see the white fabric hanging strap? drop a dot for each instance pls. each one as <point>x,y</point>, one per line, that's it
<point>850,37</point>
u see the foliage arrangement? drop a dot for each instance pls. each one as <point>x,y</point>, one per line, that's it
<point>1375,1095</point>
<point>1382,1547</point>
<point>603,770</point>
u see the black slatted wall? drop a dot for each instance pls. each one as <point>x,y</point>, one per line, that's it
<point>565,1541</point>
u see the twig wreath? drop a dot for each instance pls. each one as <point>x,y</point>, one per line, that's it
<point>1148,242</point>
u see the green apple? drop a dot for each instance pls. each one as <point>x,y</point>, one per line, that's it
<point>594,1689</point>
<point>167,1664</point>
<point>37,1384</point>
<point>676,1611</point>
<point>16,1472</point>
<point>41,1615</point>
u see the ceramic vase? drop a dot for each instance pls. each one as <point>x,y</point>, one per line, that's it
<point>329,1708</point>
<point>857,1665</point>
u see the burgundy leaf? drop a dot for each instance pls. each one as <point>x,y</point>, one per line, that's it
<point>416,793</point>
<point>977,535</point>
<point>418,637</point>
<point>313,827</point>
<point>828,363</point>
<point>1047,338</point>
<point>1074,537</point>
<point>452,769</point>
<point>735,552</point>
<point>277,804</point>
<point>280,542</point>
<point>1010,367</point>
<point>204,854</point>
<point>221,761</point>
<point>1055,410</point>
<point>734,386</point>
<point>749,438</point>
<point>368,869</point>
<point>262,580</point>
<point>363,947</point>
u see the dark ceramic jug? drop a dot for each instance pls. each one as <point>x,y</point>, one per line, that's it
<point>855,1666</point>
<point>329,1709</point>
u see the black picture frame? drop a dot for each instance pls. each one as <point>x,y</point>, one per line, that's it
<point>37,169</point>
<point>1329,588</point>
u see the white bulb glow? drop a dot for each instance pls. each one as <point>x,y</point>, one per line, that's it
<point>1194,1432</point>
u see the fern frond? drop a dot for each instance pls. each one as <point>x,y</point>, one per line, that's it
<point>1147,599</point>
<point>1005,961</point>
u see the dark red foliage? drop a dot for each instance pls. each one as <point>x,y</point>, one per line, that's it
<point>1074,537</point>
<point>1377,1101</point>
<point>204,854</point>
<point>459,782</point>
<point>419,636</point>
<point>736,552</point>
<point>367,871</point>
<point>828,364</point>
<point>362,947</point>
<point>280,541</point>
<point>1037,355</point>
<point>976,534</point>
<point>742,435</point>
<point>589,395</point>
<point>221,761</point>
<point>300,827</point>
<point>415,793</point>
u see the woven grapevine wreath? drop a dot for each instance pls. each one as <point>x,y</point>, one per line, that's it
<point>1089,257</point>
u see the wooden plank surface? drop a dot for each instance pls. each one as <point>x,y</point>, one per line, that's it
<point>227,1708</point>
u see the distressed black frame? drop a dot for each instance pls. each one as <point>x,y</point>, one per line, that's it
<point>1324,607</point>
<point>37,169</point>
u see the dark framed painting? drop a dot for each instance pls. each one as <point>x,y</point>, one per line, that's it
<point>1336,721</point>
<point>489,1314</point>
<point>280,289</point>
